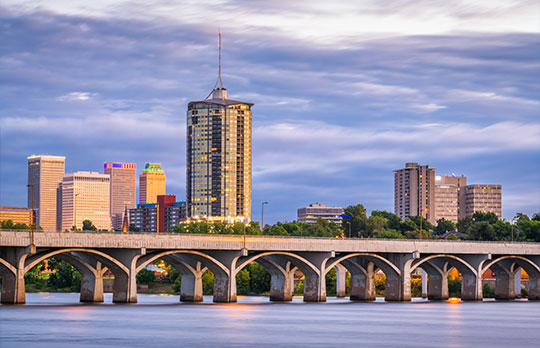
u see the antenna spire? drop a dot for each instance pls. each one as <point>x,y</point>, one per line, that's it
<point>219,82</point>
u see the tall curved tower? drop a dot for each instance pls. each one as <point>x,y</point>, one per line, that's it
<point>218,164</point>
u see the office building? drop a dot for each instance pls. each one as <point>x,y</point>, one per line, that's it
<point>44,175</point>
<point>414,191</point>
<point>151,183</point>
<point>123,189</point>
<point>218,180</point>
<point>158,217</point>
<point>447,193</point>
<point>17,215</point>
<point>312,212</point>
<point>484,198</point>
<point>86,196</point>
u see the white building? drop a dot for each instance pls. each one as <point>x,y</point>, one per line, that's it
<point>86,196</point>
<point>310,213</point>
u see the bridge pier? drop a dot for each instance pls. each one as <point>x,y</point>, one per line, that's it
<point>125,283</point>
<point>341,281</point>
<point>504,282</point>
<point>315,278</point>
<point>437,282</point>
<point>398,284</point>
<point>191,289</point>
<point>281,277</point>
<point>13,287</point>
<point>362,279</point>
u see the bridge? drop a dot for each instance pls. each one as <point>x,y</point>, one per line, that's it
<point>92,254</point>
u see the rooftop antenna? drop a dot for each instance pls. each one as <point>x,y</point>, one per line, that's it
<point>219,82</point>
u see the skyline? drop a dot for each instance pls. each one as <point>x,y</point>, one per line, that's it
<point>335,113</point>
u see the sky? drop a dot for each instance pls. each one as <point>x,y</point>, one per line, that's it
<point>344,92</point>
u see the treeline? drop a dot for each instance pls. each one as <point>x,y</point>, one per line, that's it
<point>61,277</point>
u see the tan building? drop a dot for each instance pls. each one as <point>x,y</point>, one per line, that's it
<point>414,191</point>
<point>218,160</point>
<point>311,213</point>
<point>151,183</point>
<point>123,189</point>
<point>447,193</point>
<point>44,175</point>
<point>86,196</point>
<point>485,198</point>
<point>18,215</point>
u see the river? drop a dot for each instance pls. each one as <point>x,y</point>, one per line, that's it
<point>59,320</point>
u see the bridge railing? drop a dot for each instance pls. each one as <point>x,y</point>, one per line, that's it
<point>251,236</point>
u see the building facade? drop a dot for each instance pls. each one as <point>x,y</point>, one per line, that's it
<point>158,217</point>
<point>123,189</point>
<point>484,198</point>
<point>44,175</point>
<point>151,183</point>
<point>219,157</point>
<point>414,191</point>
<point>447,193</point>
<point>86,196</point>
<point>312,212</point>
<point>18,215</point>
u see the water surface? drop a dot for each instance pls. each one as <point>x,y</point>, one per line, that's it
<point>59,320</point>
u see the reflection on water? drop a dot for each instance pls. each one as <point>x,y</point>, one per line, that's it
<point>59,320</point>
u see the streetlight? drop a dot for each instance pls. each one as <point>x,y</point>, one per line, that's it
<point>32,244</point>
<point>421,218</point>
<point>513,220</point>
<point>262,215</point>
<point>347,222</point>
<point>75,213</point>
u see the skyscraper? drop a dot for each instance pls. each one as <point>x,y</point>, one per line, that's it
<point>86,196</point>
<point>44,175</point>
<point>219,156</point>
<point>447,192</point>
<point>151,183</point>
<point>484,198</point>
<point>414,191</point>
<point>123,189</point>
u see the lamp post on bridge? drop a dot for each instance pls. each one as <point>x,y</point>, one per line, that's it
<point>33,221</point>
<point>347,222</point>
<point>262,216</point>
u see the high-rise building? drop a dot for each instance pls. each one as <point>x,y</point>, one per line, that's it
<point>44,175</point>
<point>219,156</point>
<point>151,183</point>
<point>311,213</point>
<point>123,189</point>
<point>484,198</point>
<point>447,193</point>
<point>414,191</point>
<point>86,196</point>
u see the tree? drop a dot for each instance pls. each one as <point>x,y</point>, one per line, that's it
<point>376,224</point>
<point>87,225</point>
<point>393,221</point>
<point>426,225</point>
<point>536,217</point>
<point>358,220</point>
<point>481,231</point>
<point>464,224</point>
<point>145,276</point>
<point>529,230</point>
<point>278,230</point>
<point>521,217</point>
<point>444,226</point>
<point>9,225</point>
<point>489,217</point>
<point>242,282</point>
<point>259,280</point>
<point>134,228</point>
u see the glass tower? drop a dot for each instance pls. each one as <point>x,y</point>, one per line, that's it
<point>218,164</point>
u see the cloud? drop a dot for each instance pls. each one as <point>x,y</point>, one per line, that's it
<point>76,96</point>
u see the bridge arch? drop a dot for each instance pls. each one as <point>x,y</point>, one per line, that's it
<point>523,262</point>
<point>304,263</point>
<point>147,259</point>
<point>107,259</point>
<point>455,261</point>
<point>6,266</point>
<point>379,261</point>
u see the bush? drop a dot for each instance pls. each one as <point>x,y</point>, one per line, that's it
<point>487,291</point>
<point>524,293</point>
<point>145,276</point>
<point>454,287</point>
<point>208,283</point>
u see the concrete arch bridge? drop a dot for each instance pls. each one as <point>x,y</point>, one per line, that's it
<point>126,254</point>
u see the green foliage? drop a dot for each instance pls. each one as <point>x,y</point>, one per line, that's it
<point>134,228</point>
<point>393,221</point>
<point>358,220</point>
<point>454,287</point>
<point>242,282</point>
<point>487,291</point>
<point>524,293</point>
<point>9,225</point>
<point>145,276</point>
<point>65,278</point>
<point>529,230</point>
<point>87,225</point>
<point>389,234</point>
<point>208,283</point>
<point>331,282</point>
<point>464,224</point>
<point>259,279</point>
<point>444,226</point>
<point>299,287</point>
<point>416,287</point>
<point>426,225</point>
<point>489,217</point>
<point>452,237</point>
<point>380,284</point>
